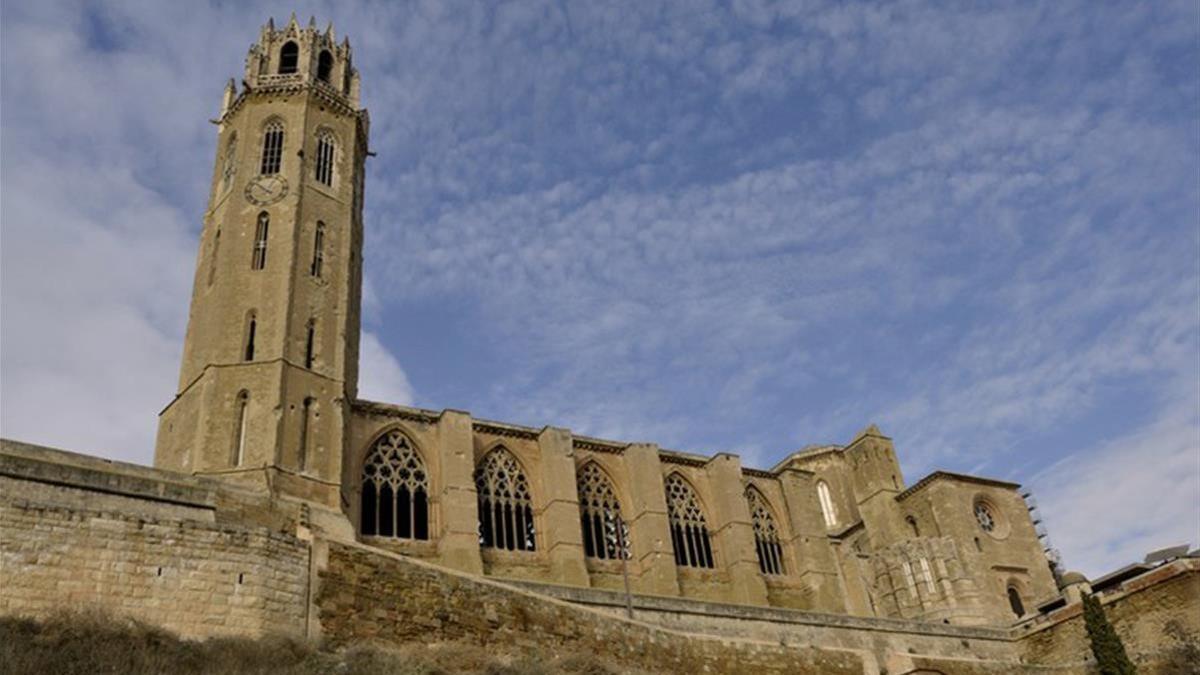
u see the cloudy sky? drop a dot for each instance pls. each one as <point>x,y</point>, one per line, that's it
<point>744,226</point>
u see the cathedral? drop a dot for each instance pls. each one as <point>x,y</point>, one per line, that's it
<point>267,400</point>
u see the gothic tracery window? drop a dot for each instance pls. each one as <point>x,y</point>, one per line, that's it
<point>689,529</point>
<point>505,503</point>
<point>325,148</point>
<point>272,149</point>
<point>766,535</point>
<point>983,514</point>
<point>395,490</point>
<point>605,534</point>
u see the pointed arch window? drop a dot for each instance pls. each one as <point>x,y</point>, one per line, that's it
<point>1014,601</point>
<point>605,534</point>
<point>229,164</point>
<point>289,58</point>
<point>324,65</point>
<point>272,149</point>
<point>395,490</point>
<point>766,535</point>
<point>325,150</point>
<point>827,508</point>
<point>689,529</point>
<point>318,259</point>
<point>239,438</point>
<point>505,503</point>
<point>258,258</point>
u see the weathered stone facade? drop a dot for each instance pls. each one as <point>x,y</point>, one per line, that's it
<point>282,502</point>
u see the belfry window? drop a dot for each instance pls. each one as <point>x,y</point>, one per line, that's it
<point>239,438</point>
<point>689,529</point>
<point>325,148</point>
<point>766,535</point>
<point>318,259</point>
<point>289,58</point>
<point>505,503</point>
<point>324,65</point>
<point>272,149</point>
<point>395,490</point>
<point>605,534</point>
<point>229,164</point>
<point>261,231</point>
<point>827,508</point>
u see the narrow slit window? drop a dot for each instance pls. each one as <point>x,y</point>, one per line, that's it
<point>272,151</point>
<point>325,152</point>
<point>261,231</point>
<point>239,438</point>
<point>827,508</point>
<point>251,327</point>
<point>318,259</point>
<point>230,165</point>
<point>289,58</point>
<point>212,259</point>
<point>302,455</point>
<point>1014,601</point>
<point>308,344</point>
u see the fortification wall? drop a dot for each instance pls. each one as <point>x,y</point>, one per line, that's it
<point>144,543</point>
<point>881,637</point>
<point>369,595</point>
<point>1156,614</point>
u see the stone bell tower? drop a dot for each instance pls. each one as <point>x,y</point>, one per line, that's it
<point>270,360</point>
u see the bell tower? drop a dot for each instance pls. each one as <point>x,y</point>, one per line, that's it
<point>270,359</point>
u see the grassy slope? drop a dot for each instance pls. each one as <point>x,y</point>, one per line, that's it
<point>94,643</point>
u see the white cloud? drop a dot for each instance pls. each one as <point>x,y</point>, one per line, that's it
<point>1109,506</point>
<point>380,376</point>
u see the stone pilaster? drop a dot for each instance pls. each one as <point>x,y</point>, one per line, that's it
<point>815,558</point>
<point>560,537</point>
<point>649,528</point>
<point>733,532</point>
<point>458,512</point>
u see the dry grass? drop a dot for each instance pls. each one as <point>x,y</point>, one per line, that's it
<point>94,642</point>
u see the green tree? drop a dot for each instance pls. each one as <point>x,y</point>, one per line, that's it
<point>1106,644</point>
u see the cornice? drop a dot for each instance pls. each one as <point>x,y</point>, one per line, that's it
<point>959,477</point>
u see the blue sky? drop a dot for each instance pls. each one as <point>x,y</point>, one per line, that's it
<point>736,226</point>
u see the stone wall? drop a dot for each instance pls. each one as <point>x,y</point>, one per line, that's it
<point>143,543</point>
<point>369,595</point>
<point>1156,614</point>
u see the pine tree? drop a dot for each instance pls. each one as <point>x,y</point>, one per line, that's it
<point>1106,644</point>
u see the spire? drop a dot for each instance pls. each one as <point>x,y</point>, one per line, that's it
<point>329,34</point>
<point>271,23</point>
<point>312,22</point>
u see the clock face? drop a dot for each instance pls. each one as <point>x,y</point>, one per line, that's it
<point>264,190</point>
